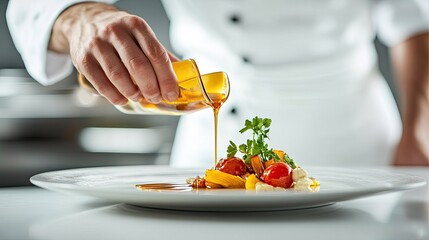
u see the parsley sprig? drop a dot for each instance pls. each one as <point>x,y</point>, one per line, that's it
<point>260,128</point>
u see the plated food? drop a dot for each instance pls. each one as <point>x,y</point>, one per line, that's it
<point>260,168</point>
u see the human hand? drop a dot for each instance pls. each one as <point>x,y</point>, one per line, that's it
<point>117,52</point>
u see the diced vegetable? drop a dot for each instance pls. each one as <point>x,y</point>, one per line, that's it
<point>314,182</point>
<point>251,182</point>
<point>199,182</point>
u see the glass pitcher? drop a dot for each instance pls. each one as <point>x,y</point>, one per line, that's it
<point>196,92</point>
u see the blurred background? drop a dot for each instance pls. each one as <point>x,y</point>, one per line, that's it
<point>61,126</point>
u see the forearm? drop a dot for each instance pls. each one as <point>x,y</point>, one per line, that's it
<point>411,63</point>
<point>411,60</point>
<point>81,13</point>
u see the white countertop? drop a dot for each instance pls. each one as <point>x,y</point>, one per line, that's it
<point>34,213</point>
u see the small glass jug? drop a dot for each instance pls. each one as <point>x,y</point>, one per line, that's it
<point>196,92</point>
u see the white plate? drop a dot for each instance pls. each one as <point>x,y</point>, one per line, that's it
<point>118,184</point>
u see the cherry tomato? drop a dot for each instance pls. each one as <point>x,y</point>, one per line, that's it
<point>233,165</point>
<point>278,174</point>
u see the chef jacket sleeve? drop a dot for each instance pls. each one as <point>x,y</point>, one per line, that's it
<point>30,26</point>
<point>397,20</point>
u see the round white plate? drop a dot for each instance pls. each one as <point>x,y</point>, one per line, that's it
<point>118,184</point>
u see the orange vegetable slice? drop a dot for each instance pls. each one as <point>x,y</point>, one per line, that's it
<point>257,165</point>
<point>224,179</point>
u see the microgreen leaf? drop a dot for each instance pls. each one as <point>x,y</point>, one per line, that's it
<point>232,149</point>
<point>289,161</point>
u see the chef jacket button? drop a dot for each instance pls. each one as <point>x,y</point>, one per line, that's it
<point>233,111</point>
<point>245,59</point>
<point>235,19</point>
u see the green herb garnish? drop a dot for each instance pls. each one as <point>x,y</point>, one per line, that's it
<point>289,161</point>
<point>257,145</point>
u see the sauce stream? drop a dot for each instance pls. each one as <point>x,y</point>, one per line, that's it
<point>218,100</point>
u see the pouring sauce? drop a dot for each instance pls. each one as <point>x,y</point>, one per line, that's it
<point>218,100</point>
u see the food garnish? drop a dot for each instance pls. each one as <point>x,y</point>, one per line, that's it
<point>260,168</point>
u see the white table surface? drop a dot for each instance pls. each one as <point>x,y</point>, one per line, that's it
<point>34,213</point>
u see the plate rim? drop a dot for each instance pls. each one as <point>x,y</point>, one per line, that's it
<point>205,202</point>
<point>36,179</point>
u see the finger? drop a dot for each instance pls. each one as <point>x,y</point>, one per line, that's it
<point>138,66</point>
<point>95,75</point>
<point>115,70</point>
<point>167,79</point>
<point>173,57</point>
<point>158,58</point>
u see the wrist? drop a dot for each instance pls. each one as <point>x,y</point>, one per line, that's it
<point>417,129</point>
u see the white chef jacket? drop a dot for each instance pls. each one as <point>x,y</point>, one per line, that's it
<point>310,66</point>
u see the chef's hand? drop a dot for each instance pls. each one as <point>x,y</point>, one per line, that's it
<point>117,52</point>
